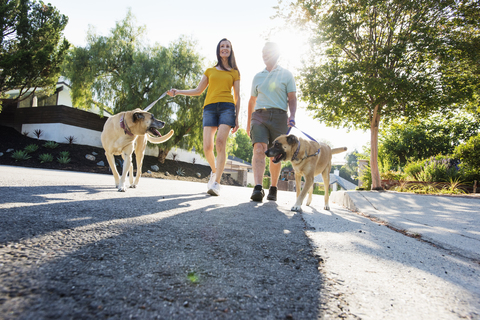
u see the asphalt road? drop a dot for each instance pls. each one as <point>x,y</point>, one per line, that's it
<point>72,247</point>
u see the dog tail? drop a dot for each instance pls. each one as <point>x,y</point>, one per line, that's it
<point>339,150</point>
<point>161,139</point>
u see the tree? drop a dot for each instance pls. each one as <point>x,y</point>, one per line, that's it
<point>31,47</point>
<point>375,61</point>
<point>118,73</point>
<point>244,148</point>
<point>402,140</point>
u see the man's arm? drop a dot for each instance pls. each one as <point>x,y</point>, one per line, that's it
<point>251,106</point>
<point>292,106</point>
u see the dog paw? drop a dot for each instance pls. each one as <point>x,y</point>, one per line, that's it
<point>133,186</point>
<point>122,188</point>
<point>327,208</point>
<point>296,208</point>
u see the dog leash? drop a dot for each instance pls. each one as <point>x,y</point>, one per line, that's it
<point>295,154</point>
<point>153,103</point>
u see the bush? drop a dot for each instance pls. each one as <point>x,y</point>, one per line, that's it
<point>45,157</point>
<point>50,144</point>
<point>20,155</point>
<point>393,175</point>
<point>31,148</point>
<point>469,152</point>
<point>434,169</point>
<point>266,182</point>
<point>366,178</point>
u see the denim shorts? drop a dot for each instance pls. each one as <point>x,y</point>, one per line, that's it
<point>267,125</point>
<point>219,113</point>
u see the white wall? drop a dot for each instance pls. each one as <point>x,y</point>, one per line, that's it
<point>58,132</point>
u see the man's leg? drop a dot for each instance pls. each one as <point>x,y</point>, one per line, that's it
<point>275,169</point>
<point>258,164</point>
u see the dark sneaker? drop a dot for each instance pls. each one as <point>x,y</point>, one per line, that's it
<point>272,194</point>
<point>258,193</point>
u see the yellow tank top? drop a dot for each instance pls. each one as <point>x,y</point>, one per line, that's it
<point>220,84</point>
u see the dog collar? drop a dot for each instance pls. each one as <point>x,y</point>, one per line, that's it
<point>295,154</point>
<point>124,126</point>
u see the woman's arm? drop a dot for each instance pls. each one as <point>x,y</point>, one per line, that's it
<point>236,98</point>
<point>202,85</point>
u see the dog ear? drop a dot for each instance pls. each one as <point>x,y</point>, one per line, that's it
<point>291,139</point>
<point>138,116</point>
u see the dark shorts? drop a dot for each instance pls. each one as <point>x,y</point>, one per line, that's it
<point>219,113</point>
<point>267,125</point>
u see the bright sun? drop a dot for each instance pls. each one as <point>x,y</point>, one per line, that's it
<point>293,45</point>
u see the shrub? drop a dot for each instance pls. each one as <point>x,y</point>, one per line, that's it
<point>366,178</point>
<point>469,152</point>
<point>180,172</point>
<point>25,133</point>
<point>63,159</point>
<point>20,155</point>
<point>50,144</point>
<point>393,175</point>
<point>434,169</point>
<point>38,133</point>
<point>70,139</point>
<point>266,182</point>
<point>31,148</point>
<point>45,157</point>
<point>64,154</point>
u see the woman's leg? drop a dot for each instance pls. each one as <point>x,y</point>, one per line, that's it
<point>221,146</point>
<point>208,144</point>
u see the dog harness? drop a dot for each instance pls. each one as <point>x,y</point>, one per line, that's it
<point>124,126</point>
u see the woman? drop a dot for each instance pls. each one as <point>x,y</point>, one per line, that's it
<point>220,110</point>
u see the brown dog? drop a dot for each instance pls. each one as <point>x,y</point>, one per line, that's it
<point>125,131</point>
<point>309,158</point>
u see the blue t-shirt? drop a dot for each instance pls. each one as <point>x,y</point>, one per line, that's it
<point>272,88</point>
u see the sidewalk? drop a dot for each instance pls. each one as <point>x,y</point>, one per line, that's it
<point>449,222</point>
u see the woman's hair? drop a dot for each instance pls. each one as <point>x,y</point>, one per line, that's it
<point>231,59</point>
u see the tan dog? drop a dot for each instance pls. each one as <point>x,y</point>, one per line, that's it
<point>309,159</point>
<point>125,131</point>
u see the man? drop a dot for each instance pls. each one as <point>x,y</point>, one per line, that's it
<point>273,92</point>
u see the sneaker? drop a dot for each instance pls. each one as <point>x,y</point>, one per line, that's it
<point>272,194</point>
<point>258,193</point>
<point>213,177</point>
<point>215,189</point>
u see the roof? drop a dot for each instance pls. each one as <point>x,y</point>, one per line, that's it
<point>237,163</point>
<point>345,184</point>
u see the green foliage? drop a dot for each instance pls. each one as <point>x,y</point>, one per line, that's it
<point>244,147</point>
<point>469,152</point>
<point>266,182</point>
<point>45,157</point>
<point>31,148</point>
<point>119,72</point>
<point>393,175</point>
<point>433,169</point>
<point>180,172</point>
<point>20,155</point>
<point>366,178</point>
<point>32,49</point>
<point>382,60</point>
<point>415,140</point>
<point>63,159</point>
<point>64,154</point>
<point>50,144</point>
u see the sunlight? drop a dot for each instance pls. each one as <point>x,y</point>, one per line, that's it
<point>293,46</point>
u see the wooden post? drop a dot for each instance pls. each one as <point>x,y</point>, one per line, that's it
<point>475,186</point>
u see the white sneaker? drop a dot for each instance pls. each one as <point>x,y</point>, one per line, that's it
<point>215,189</point>
<point>213,177</point>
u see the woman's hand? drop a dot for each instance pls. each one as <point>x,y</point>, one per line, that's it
<point>172,92</point>
<point>236,126</point>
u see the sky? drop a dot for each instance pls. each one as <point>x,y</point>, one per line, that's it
<point>247,24</point>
